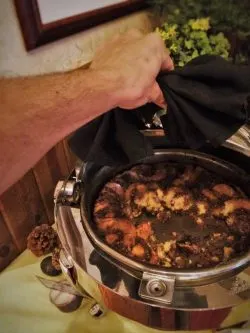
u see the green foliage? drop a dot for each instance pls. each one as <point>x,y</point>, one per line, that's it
<point>191,39</point>
<point>226,15</point>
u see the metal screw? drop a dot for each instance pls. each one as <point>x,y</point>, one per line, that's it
<point>156,288</point>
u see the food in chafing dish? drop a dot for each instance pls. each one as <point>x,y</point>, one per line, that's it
<point>174,216</point>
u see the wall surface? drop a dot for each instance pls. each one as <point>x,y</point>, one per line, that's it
<point>65,54</point>
<point>29,202</point>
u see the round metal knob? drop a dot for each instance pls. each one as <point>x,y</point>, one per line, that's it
<point>72,191</point>
<point>156,288</point>
<point>67,192</point>
<point>69,188</point>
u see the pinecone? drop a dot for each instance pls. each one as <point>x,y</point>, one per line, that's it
<point>55,258</point>
<point>42,240</point>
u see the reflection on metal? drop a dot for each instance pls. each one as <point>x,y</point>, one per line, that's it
<point>157,290</point>
<point>239,142</point>
<point>69,191</point>
<point>153,132</point>
<point>67,266</point>
<point>157,117</point>
<point>209,296</point>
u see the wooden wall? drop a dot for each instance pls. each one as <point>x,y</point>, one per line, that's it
<point>29,202</point>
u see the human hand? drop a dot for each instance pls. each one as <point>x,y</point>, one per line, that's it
<point>133,61</point>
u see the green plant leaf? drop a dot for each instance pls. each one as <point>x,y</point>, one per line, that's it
<point>228,16</point>
<point>185,44</point>
<point>189,44</point>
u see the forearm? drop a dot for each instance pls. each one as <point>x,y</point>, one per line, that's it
<point>37,112</point>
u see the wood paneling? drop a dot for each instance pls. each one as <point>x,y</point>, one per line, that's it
<point>50,169</point>
<point>45,183</point>
<point>22,209</point>
<point>29,202</point>
<point>71,158</point>
<point>8,250</point>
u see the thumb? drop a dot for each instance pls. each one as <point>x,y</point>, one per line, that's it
<point>156,96</point>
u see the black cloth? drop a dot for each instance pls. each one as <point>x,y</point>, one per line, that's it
<point>111,139</point>
<point>206,100</point>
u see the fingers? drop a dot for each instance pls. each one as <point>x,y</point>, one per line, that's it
<point>158,47</point>
<point>167,62</point>
<point>152,95</point>
<point>156,96</point>
<point>135,59</point>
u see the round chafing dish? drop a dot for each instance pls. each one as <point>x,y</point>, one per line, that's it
<point>184,296</point>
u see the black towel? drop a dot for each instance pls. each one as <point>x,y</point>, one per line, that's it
<point>111,139</point>
<point>206,102</point>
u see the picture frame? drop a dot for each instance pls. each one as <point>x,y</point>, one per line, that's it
<point>37,31</point>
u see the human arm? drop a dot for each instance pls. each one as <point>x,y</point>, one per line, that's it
<point>37,112</point>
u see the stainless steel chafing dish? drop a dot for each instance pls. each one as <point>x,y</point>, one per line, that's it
<point>165,299</point>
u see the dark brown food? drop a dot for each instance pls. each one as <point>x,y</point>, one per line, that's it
<point>174,216</point>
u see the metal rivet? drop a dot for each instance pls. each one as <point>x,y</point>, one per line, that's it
<point>156,288</point>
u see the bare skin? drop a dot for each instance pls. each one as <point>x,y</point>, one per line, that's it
<point>37,112</point>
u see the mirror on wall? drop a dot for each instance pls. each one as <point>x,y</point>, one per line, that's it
<point>43,21</point>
